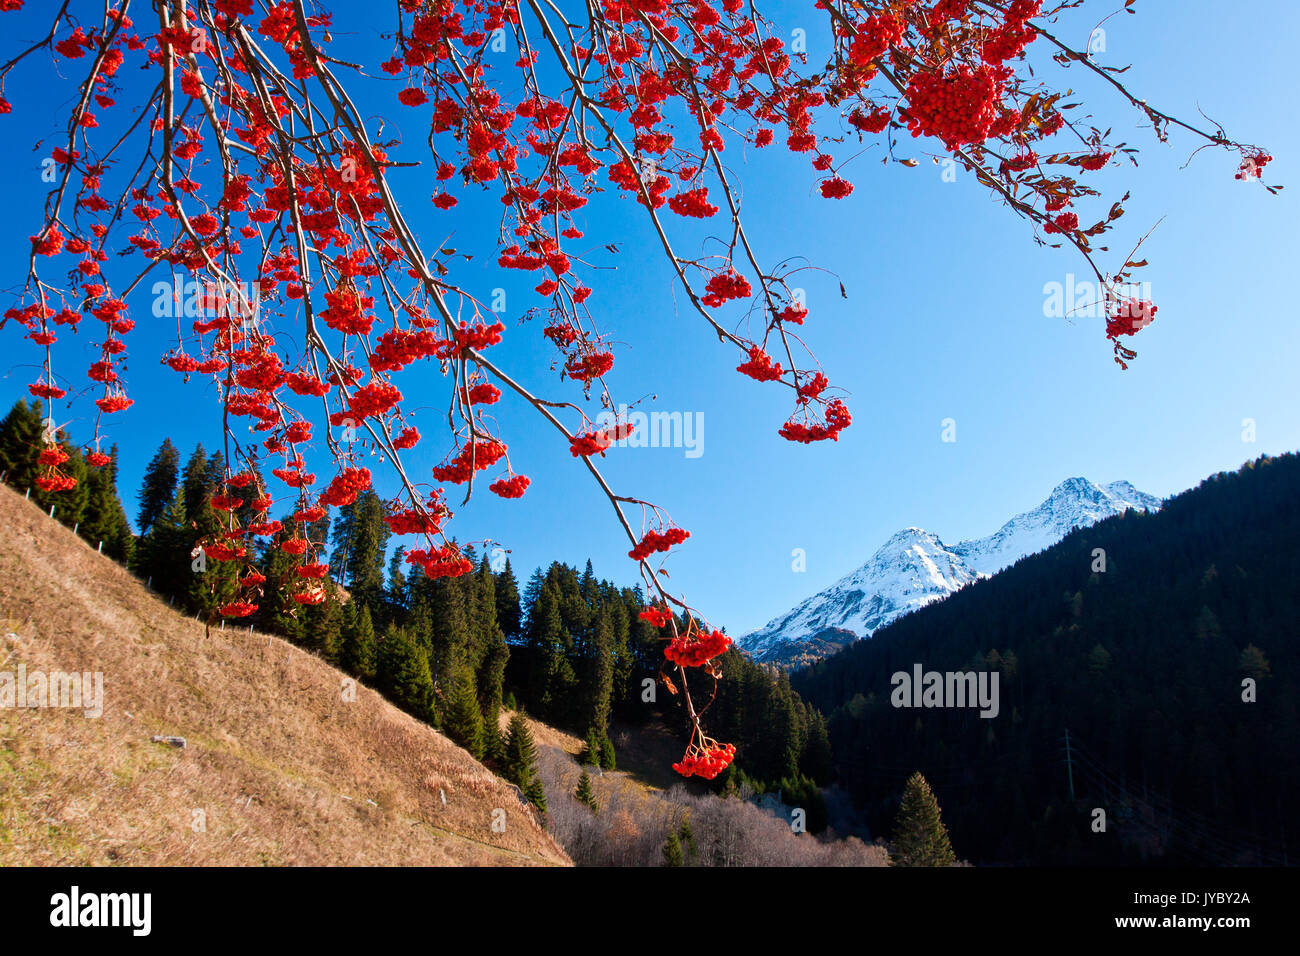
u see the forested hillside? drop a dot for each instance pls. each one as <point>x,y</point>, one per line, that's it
<point>585,656</point>
<point>1142,662</point>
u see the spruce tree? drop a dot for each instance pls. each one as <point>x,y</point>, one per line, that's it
<point>920,838</point>
<point>105,519</point>
<point>551,678</point>
<point>403,674</point>
<point>323,624</point>
<point>536,794</point>
<point>20,444</point>
<point>159,485</point>
<point>163,557</point>
<point>278,612</point>
<point>520,764</point>
<point>815,760</point>
<point>395,593</point>
<point>591,750</point>
<point>461,718</point>
<point>358,654</point>
<point>687,835</point>
<point>507,600</point>
<point>673,850</point>
<point>607,759</point>
<point>218,583</point>
<point>599,669</point>
<point>194,481</point>
<point>449,627</point>
<point>586,794</point>
<point>360,540</point>
<point>1253,662</point>
<point>491,675</point>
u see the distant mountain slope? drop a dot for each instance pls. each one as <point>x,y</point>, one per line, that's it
<point>1143,664</point>
<point>915,567</point>
<point>278,768</point>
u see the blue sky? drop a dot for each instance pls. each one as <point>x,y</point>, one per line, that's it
<point>943,318</point>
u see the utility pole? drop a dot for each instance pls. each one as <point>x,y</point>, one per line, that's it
<point>1069,763</point>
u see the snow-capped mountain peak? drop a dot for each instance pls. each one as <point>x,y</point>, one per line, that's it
<point>1074,503</point>
<point>915,567</point>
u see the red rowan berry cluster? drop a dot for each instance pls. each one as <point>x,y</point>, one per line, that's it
<point>374,399</point>
<point>446,561</point>
<point>760,366</point>
<point>693,203</point>
<point>237,609</point>
<point>657,616</point>
<point>837,419</point>
<point>836,188</point>
<point>961,106</point>
<point>1065,222</point>
<point>513,487</point>
<point>1252,165</point>
<point>707,761</point>
<point>696,648</point>
<point>653,541</point>
<point>1129,316</point>
<point>726,286</point>
<point>345,487</point>
<point>473,456</point>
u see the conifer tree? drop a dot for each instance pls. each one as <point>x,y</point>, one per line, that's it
<point>607,759</point>
<point>600,669</point>
<point>358,653</point>
<point>359,542</point>
<point>159,485</point>
<point>217,583</point>
<point>403,674</point>
<point>591,750</point>
<point>461,718</point>
<point>673,850</point>
<point>507,600</point>
<point>586,794</point>
<point>536,794</point>
<point>395,593</point>
<point>194,481</point>
<point>105,519</point>
<point>491,675</point>
<point>687,835</point>
<point>163,555</point>
<point>278,612</point>
<point>551,677</point>
<point>815,760</point>
<point>587,585</point>
<point>520,764</point>
<point>1253,662</point>
<point>920,838</point>
<point>449,627</point>
<point>20,444</point>
<point>323,624</point>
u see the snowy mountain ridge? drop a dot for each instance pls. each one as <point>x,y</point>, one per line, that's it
<point>915,567</point>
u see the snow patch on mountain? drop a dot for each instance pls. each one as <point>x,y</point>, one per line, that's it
<point>915,567</point>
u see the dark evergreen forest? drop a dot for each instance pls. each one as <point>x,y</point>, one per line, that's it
<point>1143,663</point>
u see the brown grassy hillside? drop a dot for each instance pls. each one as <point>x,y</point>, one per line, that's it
<point>278,768</point>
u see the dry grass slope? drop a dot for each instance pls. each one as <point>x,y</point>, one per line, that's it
<point>283,771</point>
